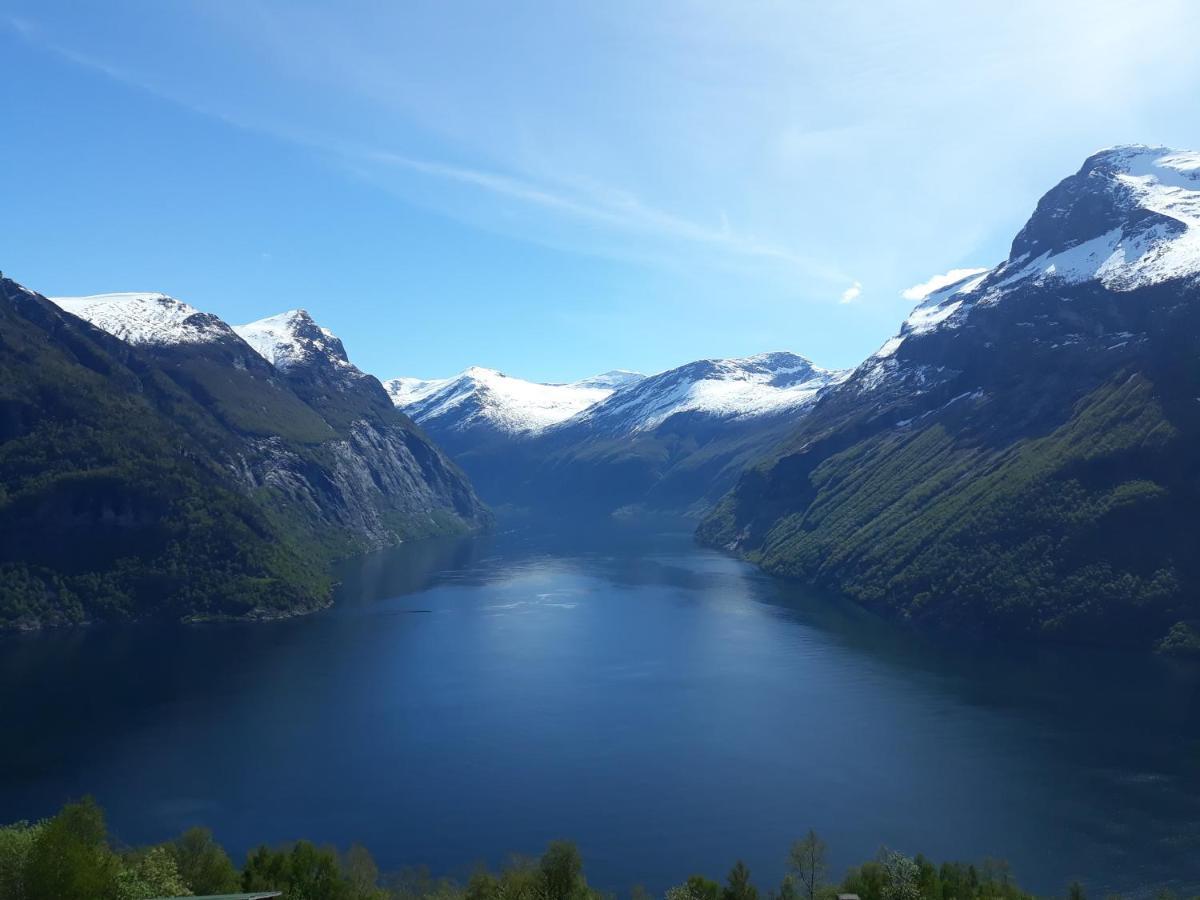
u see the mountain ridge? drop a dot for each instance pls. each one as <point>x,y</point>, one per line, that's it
<point>1015,459</point>
<point>320,458</point>
<point>667,442</point>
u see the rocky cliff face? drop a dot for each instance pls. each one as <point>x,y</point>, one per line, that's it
<point>381,477</point>
<point>316,435</point>
<point>310,456</point>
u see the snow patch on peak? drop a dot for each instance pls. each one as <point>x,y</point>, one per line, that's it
<point>293,338</point>
<point>753,386</point>
<point>149,319</point>
<point>1130,218</point>
<point>486,396</point>
<point>614,379</point>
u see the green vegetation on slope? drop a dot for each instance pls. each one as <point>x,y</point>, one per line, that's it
<point>70,857</point>
<point>112,503</point>
<point>1079,533</point>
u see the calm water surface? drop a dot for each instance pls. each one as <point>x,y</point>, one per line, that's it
<point>666,707</point>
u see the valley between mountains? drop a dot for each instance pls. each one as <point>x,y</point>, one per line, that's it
<point>1019,459</point>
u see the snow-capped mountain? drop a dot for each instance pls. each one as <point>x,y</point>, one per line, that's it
<point>1020,456</point>
<point>293,339</point>
<point>616,439</point>
<point>146,318</point>
<point>1128,219</point>
<point>485,399</point>
<point>307,423</point>
<point>754,387</point>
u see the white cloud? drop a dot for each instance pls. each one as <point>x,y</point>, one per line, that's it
<point>852,293</point>
<point>937,282</point>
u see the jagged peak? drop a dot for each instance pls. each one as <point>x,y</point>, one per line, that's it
<point>293,338</point>
<point>1130,216</point>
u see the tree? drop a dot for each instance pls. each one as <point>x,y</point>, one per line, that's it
<point>151,874</point>
<point>788,889</point>
<point>265,870</point>
<point>203,864</point>
<point>561,867</point>
<point>1075,891</point>
<point>902,877</point>
<point>314,874</point>
<point>362,875</point>
<point>482,885</point>
<point>71,860</point>
<point>869,881</point>
<point>807,863</point>
<point>703,888</point>
<point>16,844</point>
<point>737,884</point>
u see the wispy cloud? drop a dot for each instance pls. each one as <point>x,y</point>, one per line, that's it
<point>611,207</point>
<point>852,293</point>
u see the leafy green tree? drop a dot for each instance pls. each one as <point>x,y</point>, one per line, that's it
<point>203,864</point>
<point>16,844</point>
<point>788,889</point>
<point>737,884</point>
<point>522,879</point>
<point>314,874</point>
<point>482,885</point>
<point>561,868</point>
<point>902,877</point>
<point>929,882</point>
<point>362,875</point>
<point>807,864</point>
<point>869,881</point>
<point>70,859</point>
<point>703,888</point>
<point>153,873</point>
<point>265,870</point>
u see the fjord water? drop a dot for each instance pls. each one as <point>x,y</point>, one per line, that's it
<point>668,708</point>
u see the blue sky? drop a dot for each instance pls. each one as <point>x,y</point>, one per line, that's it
<point>555,189</point>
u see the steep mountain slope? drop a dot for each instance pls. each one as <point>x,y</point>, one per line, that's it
<point>381,477</point>
<point>1020,458</point>
<point>311,452</point>
<point>320,438</point>
<point>114,499</point>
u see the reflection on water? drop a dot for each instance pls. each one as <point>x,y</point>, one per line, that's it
<point>667,707</point>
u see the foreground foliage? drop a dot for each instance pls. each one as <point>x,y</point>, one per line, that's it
<point>71,857</point>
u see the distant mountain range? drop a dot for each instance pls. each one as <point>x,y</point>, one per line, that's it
<point>621,441</point>
<point>155,463</point>
<point>1019,459</point>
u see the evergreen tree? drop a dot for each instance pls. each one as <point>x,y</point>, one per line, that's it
<point>562,870</point>
<point>738,886</point>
